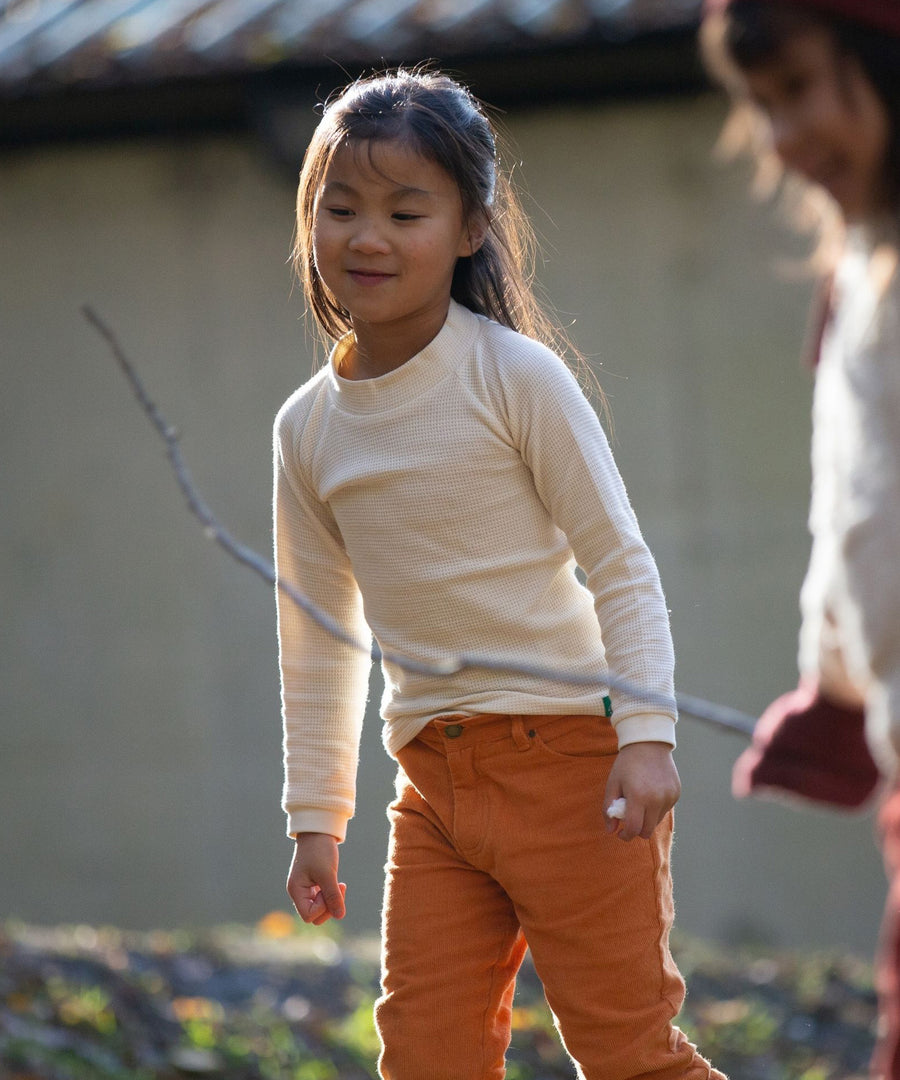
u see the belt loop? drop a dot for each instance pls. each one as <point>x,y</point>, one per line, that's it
<point>523,739</point>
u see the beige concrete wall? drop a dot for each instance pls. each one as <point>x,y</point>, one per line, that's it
<point>139,736</point>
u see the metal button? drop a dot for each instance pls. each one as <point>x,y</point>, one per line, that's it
<point>454,731</point>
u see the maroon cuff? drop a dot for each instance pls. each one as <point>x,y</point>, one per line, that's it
<point>809,746</point>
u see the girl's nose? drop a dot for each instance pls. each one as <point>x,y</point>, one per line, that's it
<point>368,238</point>
<point>785,136</point>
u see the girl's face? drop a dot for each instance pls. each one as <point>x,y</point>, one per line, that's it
<point>388,228</point>
<point>827,122</point>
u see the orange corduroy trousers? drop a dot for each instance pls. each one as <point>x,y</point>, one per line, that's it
<point>498,844</point>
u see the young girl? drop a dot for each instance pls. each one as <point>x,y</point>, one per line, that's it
<point>823,77</point>
<point>436,485</point>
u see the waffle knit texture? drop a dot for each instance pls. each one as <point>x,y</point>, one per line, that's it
<point>443,507</point>
<point>850,601</point>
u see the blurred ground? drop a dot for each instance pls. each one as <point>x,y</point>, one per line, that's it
<point>282,1001</point>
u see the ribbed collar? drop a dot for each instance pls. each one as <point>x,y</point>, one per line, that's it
<point>439,358</point>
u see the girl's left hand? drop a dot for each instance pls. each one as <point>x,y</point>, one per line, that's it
<point>644,774</point>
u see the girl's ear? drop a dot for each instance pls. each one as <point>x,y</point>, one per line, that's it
<point>475,234</point>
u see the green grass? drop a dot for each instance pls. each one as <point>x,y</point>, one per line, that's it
<point>284,1002</point>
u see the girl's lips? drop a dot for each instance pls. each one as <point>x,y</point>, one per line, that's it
<point>368,277</point>
<point>827,174</point>
<point>832,175</point>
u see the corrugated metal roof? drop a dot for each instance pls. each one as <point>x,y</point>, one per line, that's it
<point>46,44</point>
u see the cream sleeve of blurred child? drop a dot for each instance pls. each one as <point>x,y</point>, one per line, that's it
<point>445,506</point>
<point>850,634</point>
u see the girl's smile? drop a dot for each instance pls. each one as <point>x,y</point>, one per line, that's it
<point>827,122</point>
<point>368,277</point>
<point>388,230</point>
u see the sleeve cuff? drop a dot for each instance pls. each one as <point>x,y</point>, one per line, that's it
<point>321,821</point>
<point>646,727</point>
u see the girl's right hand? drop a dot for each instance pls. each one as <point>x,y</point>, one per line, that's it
<point>312,882</point>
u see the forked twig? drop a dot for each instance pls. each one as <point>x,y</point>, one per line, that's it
<point>212,527</point>
<point>719,716</point>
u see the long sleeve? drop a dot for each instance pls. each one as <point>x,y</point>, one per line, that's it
<point>564,445</point>
<point>850,602</point>
<point>447,505</point>
<point>821,652</point>
<point>869,599</point>
<point>323,680</point>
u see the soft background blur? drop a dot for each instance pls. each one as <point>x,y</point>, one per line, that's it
<point>148,160</point>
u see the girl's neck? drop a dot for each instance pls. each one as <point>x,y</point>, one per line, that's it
<point>877,228</point>
<point>376,350</point>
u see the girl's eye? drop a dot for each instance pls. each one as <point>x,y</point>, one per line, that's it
<point>339,211</point>
<point>762,103</point>
<point>406,217</point>
<point>794,86</point>
<point>789,91</point>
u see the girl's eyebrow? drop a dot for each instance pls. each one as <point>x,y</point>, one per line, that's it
<point>402,192</point>
<point>339,187</point>
<point>342,188</point>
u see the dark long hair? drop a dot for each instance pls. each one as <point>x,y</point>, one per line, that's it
<point>441,120</point>
<point>750,33</point>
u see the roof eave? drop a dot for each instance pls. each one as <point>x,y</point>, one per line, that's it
<point>658,63</point>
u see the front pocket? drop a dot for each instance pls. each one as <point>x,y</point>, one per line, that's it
<point>575,736</point>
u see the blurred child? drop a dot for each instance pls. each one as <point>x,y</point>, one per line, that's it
<point>436,485</point>
<point>822,77</point>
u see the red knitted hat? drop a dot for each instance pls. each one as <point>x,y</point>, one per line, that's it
<point>882,14</point>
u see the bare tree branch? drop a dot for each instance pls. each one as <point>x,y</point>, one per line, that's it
<point>719,716</point>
